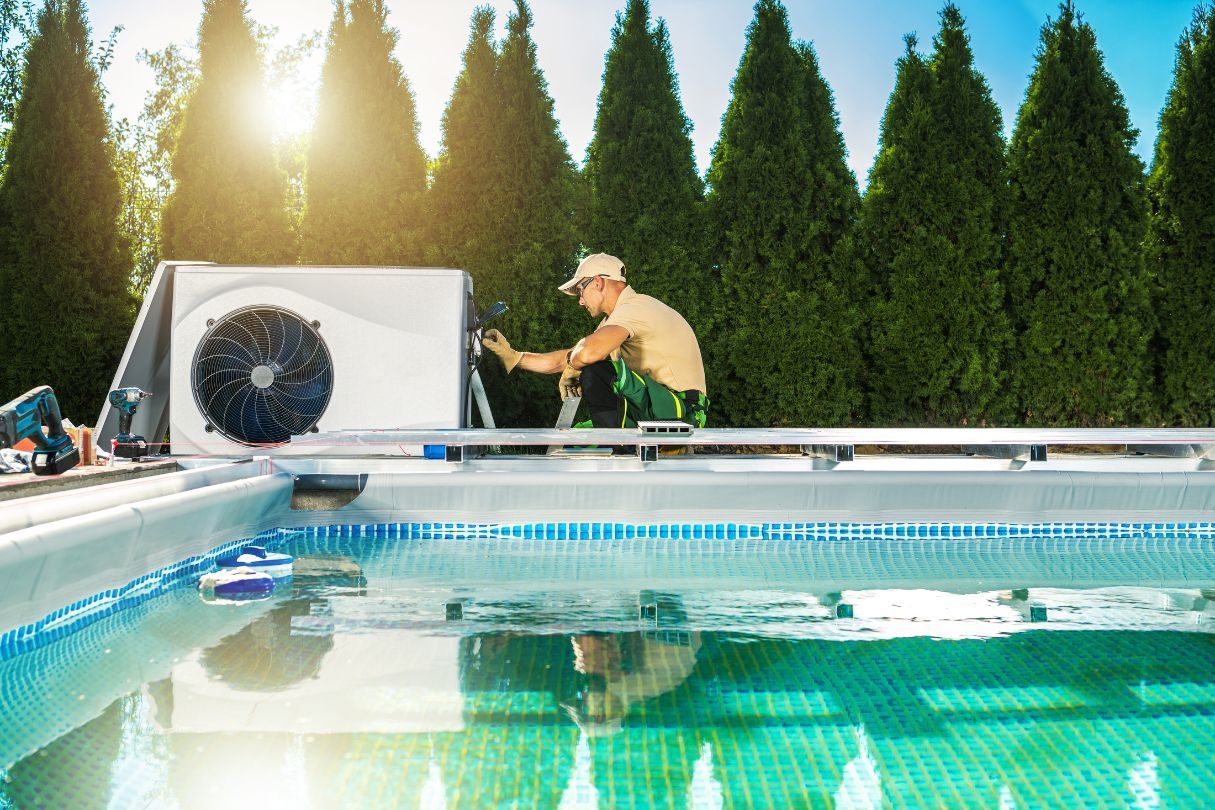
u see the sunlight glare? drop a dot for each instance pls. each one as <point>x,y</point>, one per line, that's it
<point>291,104</point>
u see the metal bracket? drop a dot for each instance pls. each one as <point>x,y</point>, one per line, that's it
<point>1009,451</point>
<point>1203,451</point>
<point>459,453</point>
<point>831,452</point>
<point>647,452</point>
<point>1015,452</point>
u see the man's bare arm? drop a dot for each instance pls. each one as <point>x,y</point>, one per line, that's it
<point>544,363</point>
<point>591,349</point>
<point>598,345</point>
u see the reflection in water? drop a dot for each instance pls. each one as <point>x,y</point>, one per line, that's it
<point>342,692</point>
<point>265,655</point>
<point>73,771</point>
<point>580,793</point>
<point>705,792</point>
<point>861,788</point>
<point>242,705</point>
<point>433,794</point>
<point>625,669</point>
<point>1143,783</point>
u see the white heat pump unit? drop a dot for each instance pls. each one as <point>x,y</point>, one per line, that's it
<point>257,355</point>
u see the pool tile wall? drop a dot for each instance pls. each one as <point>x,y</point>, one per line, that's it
<point>81,613</point>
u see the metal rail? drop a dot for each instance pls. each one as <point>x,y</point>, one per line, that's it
<point>835,442</point>
<point>969,437</point>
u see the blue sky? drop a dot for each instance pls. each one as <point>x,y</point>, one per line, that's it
<point>857,42</point>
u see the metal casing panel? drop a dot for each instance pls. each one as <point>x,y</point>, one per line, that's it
<point>145,363</point>
<point>397,337</point>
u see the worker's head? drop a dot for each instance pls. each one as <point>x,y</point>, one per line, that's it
<point>598,279</point>
<point>595,707</point>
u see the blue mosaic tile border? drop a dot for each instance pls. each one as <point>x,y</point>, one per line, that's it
<point>73,617</point>
<point>79,614</point>
<point>757,531</point>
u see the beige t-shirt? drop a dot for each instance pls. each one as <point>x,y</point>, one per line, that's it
<point>660,344</point>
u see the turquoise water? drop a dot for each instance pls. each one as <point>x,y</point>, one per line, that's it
<point>398,672</point>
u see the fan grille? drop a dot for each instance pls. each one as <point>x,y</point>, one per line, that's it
<point>262,375</point>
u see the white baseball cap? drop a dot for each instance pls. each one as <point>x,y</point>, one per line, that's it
<point>597,264</point>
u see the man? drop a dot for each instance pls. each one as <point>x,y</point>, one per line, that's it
<point>643,362</point>
<point>626,669</point>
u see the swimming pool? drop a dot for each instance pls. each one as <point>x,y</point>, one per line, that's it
<point>621,665</point>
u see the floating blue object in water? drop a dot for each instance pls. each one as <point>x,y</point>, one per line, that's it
<point>235,583</point>
<point>267,562</point>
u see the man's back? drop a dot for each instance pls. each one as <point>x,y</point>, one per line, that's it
<point>661,343</point>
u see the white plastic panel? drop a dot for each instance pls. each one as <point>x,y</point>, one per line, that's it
<point>21,513</point>
<point>145,362</point>
<point>47,567</point>
<point>676,492</point>
<point>397,337</point>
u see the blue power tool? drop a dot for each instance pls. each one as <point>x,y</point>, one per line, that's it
<point>125,446</point>
<point>25,417</point>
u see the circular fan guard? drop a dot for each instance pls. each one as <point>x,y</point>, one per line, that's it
<point>262,375</point>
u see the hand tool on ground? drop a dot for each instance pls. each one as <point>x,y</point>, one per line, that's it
<point>124,446</point>
<point>25,417</point>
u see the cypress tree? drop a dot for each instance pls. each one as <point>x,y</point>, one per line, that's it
<point>645,191</point>
<point>64,263</point>
<point>461,205</point>
<point>229,200</point>
<point>932,224</point>
<point>1075,271</point>
<point>1181,240</point>
<point>18,26</point>
<point>366,176</point>
<point>833,204</point>
<point>505,201</point>
<point>782,198</point>
<point>904,121</point>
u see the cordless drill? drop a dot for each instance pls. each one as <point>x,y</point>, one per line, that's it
<point>124,446</point>
<point>25,417</point>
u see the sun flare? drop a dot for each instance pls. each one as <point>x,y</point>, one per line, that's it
<point>291,107</point>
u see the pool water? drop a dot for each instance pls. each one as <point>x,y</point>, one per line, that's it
<point>401,671</point>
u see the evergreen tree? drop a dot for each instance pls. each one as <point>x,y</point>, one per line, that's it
<point>18,27</point>
<point>784,349</point>
<point>904,120</point>
<point>932,225</point>
<point>461,203</point>
<point>366,171</point>
<point>1075,270</point>
<point>505,199</point>
<point>63,264</point>
<point>1182,234</point>
<point>229,201</point>
<point>646,193</point>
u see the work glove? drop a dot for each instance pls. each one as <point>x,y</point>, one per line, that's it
<point>571,383</point>
<point>496,343</point>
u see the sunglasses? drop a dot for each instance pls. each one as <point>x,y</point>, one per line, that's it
<point>579,288</point>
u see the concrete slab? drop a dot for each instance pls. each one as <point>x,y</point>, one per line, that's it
<point>24,485</point>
